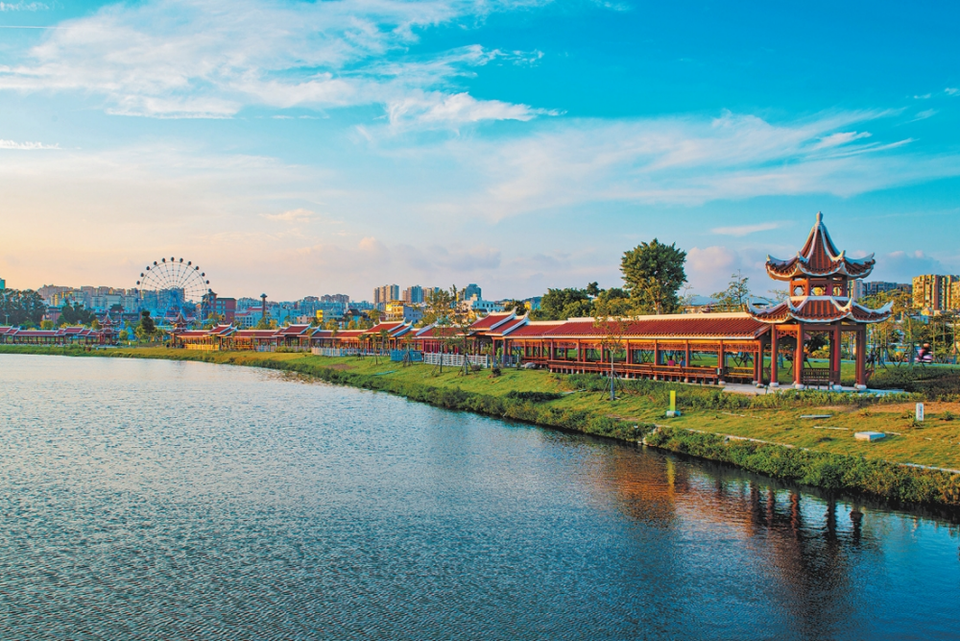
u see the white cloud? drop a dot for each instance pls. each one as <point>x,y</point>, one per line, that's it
<point>210,58</point>
<point>902,266</point>
<point>292,216</point>
<point>744,230</point>
<point>952,91</point>
<point>923,115</point>
<point>840,138</point>
<point>23,6</point>
<point>26,146</point>
<point>456,109</point>
<point>682,161</point>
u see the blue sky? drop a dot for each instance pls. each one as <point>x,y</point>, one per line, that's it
<point>303,148</point>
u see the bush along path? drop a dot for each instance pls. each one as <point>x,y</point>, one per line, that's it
<point>771,434</point>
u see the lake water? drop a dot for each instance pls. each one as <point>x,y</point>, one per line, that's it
<point>148,499</point>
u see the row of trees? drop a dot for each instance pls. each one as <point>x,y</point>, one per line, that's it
<point>21,307</point>
<point>895,339</point>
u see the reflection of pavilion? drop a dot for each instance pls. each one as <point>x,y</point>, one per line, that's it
<point>798,548</point>
<point>820,300</point>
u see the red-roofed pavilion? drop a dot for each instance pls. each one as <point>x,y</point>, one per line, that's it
<point>820,301</point>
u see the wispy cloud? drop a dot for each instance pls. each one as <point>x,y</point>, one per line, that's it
<point>23,6</point>
<point>840,138</point>
<point>923,115</point>
<point>683,161</point>
<point>292,216</point>
<point>211,58</point>
<point>745,230</point>
<point>952,91</point>
<point>26,146</point>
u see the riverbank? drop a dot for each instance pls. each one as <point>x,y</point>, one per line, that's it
<point>804,437</point>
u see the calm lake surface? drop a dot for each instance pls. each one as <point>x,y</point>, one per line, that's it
<point>151,499</point>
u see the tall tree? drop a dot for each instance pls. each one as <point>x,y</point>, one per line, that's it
<point>561,304</point>
<point>653,273</point>
<point>21,307</point>
<point>611,324</point>
<point>439,310</point>
<point>736,296</point>
<point>146,329</point>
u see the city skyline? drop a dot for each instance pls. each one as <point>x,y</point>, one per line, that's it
<point>302,148</point>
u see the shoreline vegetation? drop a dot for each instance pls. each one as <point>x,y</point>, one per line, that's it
<point>801,437</point>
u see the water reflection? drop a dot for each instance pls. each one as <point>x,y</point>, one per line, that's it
<point>143,499</point>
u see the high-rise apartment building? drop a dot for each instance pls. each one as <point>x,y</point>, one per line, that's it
<point>384,294</point>
<point>934,292</point>
<point>413,295</point>
<point>472,291</point>
<point>874,287</point>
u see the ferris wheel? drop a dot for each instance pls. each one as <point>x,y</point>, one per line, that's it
<point>172,286</point>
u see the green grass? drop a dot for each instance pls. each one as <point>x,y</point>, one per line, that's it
<point>580,403</point>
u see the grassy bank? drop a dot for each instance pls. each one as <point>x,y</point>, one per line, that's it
<point>818,451</point>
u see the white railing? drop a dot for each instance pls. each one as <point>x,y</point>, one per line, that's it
<point>345,351</point>
<point>456,360</point>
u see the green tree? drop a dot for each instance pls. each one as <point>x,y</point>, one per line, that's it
<point>146,328</point>
<point>654,274</point>
<point>612,302</point>
<point>438,303</point>
<point>561,304</point>
<point>21,307</point>
<point>735,297</point>
<point>612,325</point>
<point>459,320</point>
<point>518,307</point>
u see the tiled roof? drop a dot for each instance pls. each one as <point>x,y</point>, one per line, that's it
<point>255,333</point>
<point>491,321</point>
<point>820,309</point>
<point>735,325</point>
<point>819,257</point>
<point>351,333</point>
<point>432,331</point>
<point>293,330</point>
<point>393,328</point>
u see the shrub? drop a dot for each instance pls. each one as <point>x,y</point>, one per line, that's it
<point>533,397</point>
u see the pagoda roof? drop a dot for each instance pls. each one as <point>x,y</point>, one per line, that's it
<point>819,309</point>
<point>819,257</point>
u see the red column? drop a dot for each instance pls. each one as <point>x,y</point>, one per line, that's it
<point>861,357</point>
<point>686,359</point>
<point>798,359</point>
<point>656,358</point>
<point>758,364</point>
<point>835,354</point>
<point>721,362</point>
